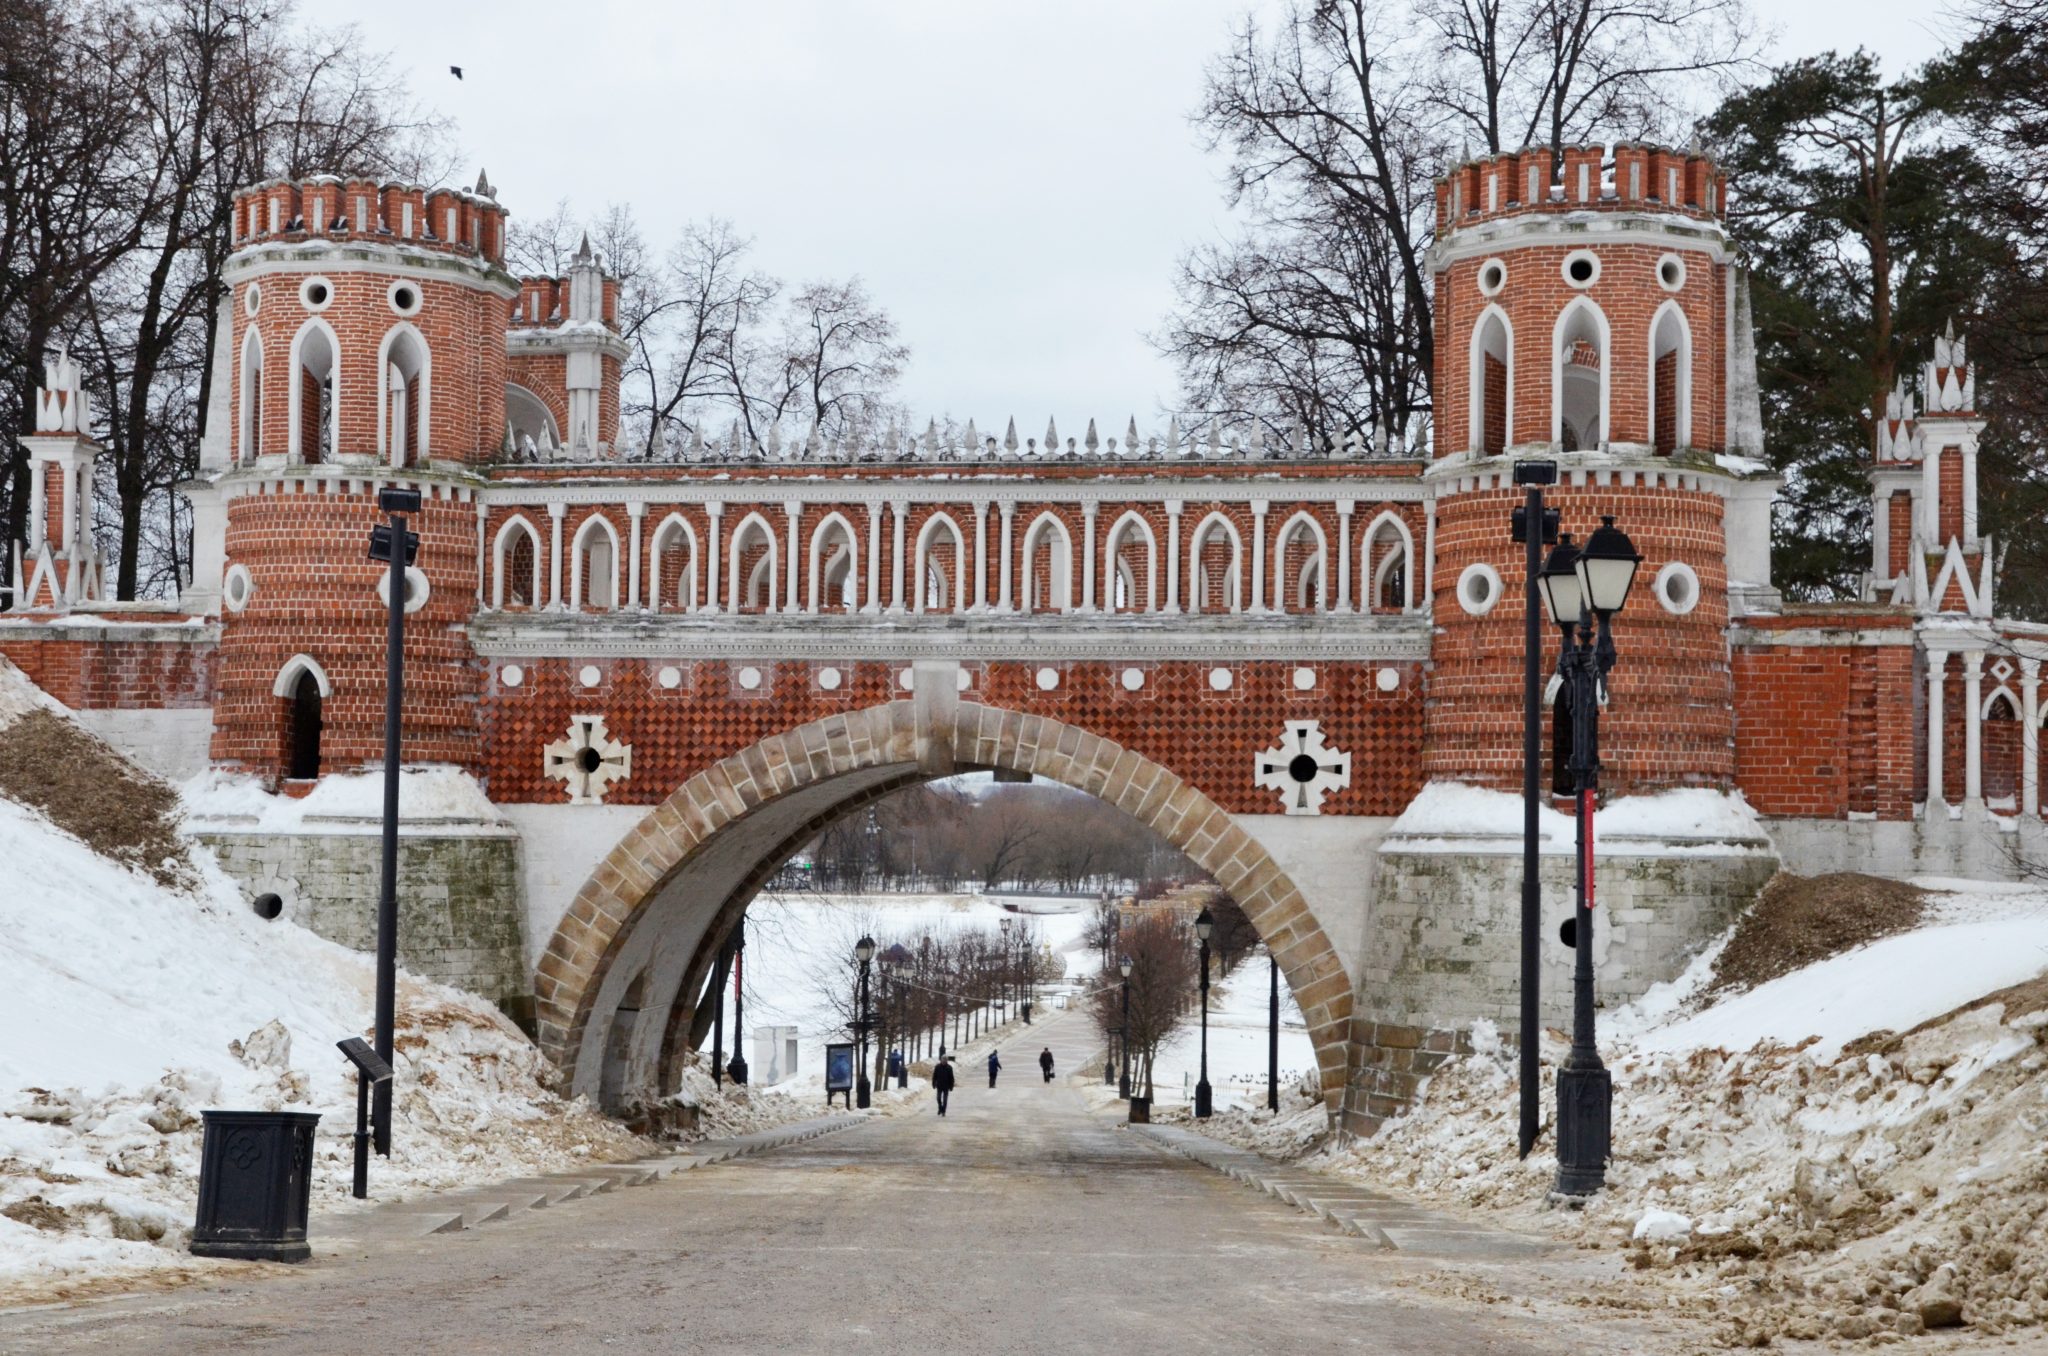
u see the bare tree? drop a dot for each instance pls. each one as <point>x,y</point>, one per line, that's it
<point>832,365</point>
<point>1336,121</point>
<point>1163,975</point>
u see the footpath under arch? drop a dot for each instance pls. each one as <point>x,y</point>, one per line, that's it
<point>656,910</point>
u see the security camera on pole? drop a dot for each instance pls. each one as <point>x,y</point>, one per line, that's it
<point>1585,587</point>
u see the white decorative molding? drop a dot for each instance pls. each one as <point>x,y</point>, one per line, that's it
<point>1479,588</point>
<point>588,760</point>
<point>1302,768</point>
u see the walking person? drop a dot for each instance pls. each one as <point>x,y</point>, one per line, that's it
<point>942,1081</point>
<point>1045,1062</point>
<point>995,1066</point>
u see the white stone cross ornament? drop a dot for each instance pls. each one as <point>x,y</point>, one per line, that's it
<point>1303,769</point>
<point>588,759</point>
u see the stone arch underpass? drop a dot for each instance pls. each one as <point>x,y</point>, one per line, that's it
<point>655,912</point>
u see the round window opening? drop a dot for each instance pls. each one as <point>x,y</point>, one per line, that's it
<point>589,760</point>
<point>1678,588</point>
<point>1302,767</point>
<point>316,293</point>
<point>1479,589</point>
<point>1671,272</point>
<point>252,298</point>
<point>1579,270</point>
<point>405,298</point>
<point>1493,275</point>
<point>268,906</point>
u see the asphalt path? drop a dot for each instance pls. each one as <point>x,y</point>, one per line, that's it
<point>1027,1220</point>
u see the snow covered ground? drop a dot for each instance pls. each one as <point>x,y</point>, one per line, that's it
<point>1238,1015</point>
<point>796,968</point>
<point>1763,1172</point>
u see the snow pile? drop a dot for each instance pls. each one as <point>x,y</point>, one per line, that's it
<point>340,802</point>
<point>1455,817</point>
<point>130,1007</point>
<point>725,1110</point>
<point>1833,1177</point>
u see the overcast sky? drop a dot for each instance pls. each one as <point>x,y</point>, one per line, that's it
<point>1014,181</point>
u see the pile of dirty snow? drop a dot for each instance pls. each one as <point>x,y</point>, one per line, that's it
<point>1854,1148</point>
<point>131,1005</point>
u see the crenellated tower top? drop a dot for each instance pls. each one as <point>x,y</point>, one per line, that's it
<point>327,207</point>
<point>1635,177</point>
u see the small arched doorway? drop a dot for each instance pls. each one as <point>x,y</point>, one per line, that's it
<point>302,731</point>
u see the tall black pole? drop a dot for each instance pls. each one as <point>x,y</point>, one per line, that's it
<point>1273,1035</point>
<point>1532,753</point>
<point>1585,1090</point>
<point>387,886</point>
<point>718,1019</point>
<point>1204,1099</point>
<point>738,1067</point>
<point>1123,1039</point>
<point>863,1092</point>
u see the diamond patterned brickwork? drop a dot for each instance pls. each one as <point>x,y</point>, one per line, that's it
<point>1176,718</point>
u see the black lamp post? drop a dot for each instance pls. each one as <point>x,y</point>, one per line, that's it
<point>1123,1033</point>
<point>1273,1033</point>
<point>1203,1098</point>
<point>1004,979</point>
<point>863,1091</point>
<point>1584,587</point>
<point>395,545</point>
<point>896,957</point>
<point>737,1070</point>
<point>1532,475</point>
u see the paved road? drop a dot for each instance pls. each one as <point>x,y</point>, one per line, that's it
<point>1023,1222</point>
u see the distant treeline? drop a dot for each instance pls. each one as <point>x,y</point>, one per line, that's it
<point>956,835</point>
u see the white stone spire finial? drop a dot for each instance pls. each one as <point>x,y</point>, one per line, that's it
<point>1010,436</point>
<point>62,405</point>
<point>1131,436</point>
<point>1052,438</point>
<point>1089,440</point>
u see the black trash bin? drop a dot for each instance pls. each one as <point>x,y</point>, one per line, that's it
<point>255,1185</point>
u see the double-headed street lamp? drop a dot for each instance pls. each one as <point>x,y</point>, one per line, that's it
<point>1123,1033</point>
<point>1203,924</point>
<point>1584,587</point>
<point>863,1093</point>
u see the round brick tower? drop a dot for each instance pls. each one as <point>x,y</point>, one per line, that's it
<point>365,328</point>
<point>1586,316</point>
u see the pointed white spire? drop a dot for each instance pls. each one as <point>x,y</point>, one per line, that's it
<point>931,439</point>
<point>775,440</point>
<point>1173,435</point>
<point>973,439</point>
<point>1052,438</point>
<point>1010,437</point>
<point>1090,441</point>
<point>1131,436</point>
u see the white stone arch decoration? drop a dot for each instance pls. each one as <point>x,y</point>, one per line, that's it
<point>1233,578</point>
<point>736,588</point>
<point>286,684</point>
<point>1491,320</point>
<point>955,589</point>
<point>249,415</point>
<point>501,546</point>
<point>404,347</point>
<point>834,527</point>
<point>316,328</point>
<point>1681,387</point>
<point>580,552</point>
<point>685,589</point>
<point>1060,586</point>
<point>1580,314</point>
<point>1998,694</point>
<point>1112,555</point>
<point>1388,521</point>
<point>529,423</point>
<point>1320,564</point>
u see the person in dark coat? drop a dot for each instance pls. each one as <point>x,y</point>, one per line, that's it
<point>1045,1062</point>
<point>995,1066</point>
<point>942,1081</point>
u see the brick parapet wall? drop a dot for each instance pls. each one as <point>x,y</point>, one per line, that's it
<point>97,669</point>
